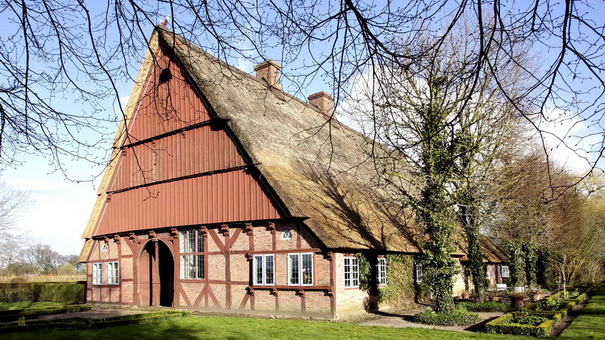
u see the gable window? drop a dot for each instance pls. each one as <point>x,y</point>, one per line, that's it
<point>113,273</point>
<point>97,273</point>
<point>192,254</point>
<point>286,234</point>
<point>381,271</point>
<point>504,272</point>
<point>351,271</point>
<point>264,269</point>
<point>418,272</point>
<point>300,269</point>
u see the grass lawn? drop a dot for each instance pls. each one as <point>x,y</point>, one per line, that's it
<point>28,305</point>
<point>232,328</point>
<point>590,324</point>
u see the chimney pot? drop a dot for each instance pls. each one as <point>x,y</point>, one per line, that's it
<point>268,72</point>
<point>323,101</point>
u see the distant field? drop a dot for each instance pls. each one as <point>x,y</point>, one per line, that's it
<point>43,278</point>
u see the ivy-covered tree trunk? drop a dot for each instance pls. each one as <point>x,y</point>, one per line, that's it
<point>476,265</point>
<point>437,170</point>
<point>467,203</point>
<point>531,264</point>
<point>517,261</point>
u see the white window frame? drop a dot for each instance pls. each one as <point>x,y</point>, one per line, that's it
<point>266,278</point>
<point>418,271</point>
<point>97,273</point>
<point>192,261</point>
<point>300,276</point>
<point>351,271</point>
<point>113,273</point>
<point>381,271</point>
<point>503,271</point>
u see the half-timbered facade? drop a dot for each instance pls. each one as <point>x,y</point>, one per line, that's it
<point>225,192</point>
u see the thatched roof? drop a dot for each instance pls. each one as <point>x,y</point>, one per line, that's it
<point>491,252</point>
<point>317,168</point>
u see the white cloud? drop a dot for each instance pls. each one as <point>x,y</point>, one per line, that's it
<point>569,140</point>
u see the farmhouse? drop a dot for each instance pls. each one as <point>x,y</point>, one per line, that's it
<point>225,192</point>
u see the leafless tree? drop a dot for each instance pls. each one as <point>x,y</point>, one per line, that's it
<point>61,61</point>
<point>12,203</point>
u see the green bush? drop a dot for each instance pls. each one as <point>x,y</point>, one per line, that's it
<point>68,293</point>
<point>460,316</point>
<point>505,324</point>
<point>485,306</point>
<point>11,315</point>
<point>532,320</point>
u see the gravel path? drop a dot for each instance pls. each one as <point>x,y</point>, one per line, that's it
<point>403,319</point>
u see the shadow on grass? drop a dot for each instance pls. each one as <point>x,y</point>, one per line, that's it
<point>479,327</point>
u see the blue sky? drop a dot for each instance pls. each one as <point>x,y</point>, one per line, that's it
<point>59,208</point>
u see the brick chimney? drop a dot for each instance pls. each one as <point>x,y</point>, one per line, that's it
<point>269,73</point>
<point>323,101</point>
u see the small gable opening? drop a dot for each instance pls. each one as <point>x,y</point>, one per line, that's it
<point>165,75</point>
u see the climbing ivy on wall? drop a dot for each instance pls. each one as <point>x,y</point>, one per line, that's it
<point>400,290</point>
<point>365,272</point>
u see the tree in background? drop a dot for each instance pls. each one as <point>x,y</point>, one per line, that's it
<point>436,128</point>
<point>541,214</point>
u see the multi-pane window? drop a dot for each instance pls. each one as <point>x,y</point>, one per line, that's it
<point>264,269</point>
<point>113,273</point>
<point>381,271</point>
<point>300,269</point>
<point>351,271</point>
<point>491,272</point>
<point>418,272</point>
<point>504,272</point>
<point>192,254</point>
<point>97,273</point>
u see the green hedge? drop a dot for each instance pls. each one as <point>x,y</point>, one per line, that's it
<point>12,315</point>
<point>68,293</point>
<point>81,323</point>
<point>563,307</point>
<point>485,306</point>
<point>459,316</point>
<point>503,325</point>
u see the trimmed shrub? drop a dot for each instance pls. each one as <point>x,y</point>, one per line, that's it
<point>529,319</point>
<point>68,293</point>
<point>485,306</point>
<point>506,324</point>
<point>12,315</point>
<point>460,316</point>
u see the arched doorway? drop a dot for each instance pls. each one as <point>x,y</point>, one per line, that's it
<point>156,275</point>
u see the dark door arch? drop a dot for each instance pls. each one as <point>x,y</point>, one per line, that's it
<point>156,275</point>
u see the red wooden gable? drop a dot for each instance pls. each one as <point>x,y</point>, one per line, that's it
<point>178,166</point>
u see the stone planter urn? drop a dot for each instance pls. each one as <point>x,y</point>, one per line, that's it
<point>516,301</point>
